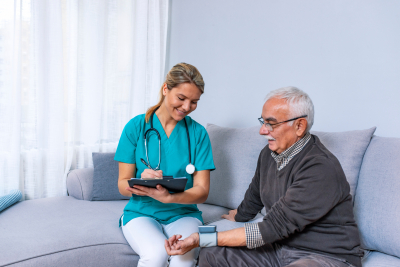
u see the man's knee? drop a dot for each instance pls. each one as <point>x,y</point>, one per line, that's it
<point>317,261</point>
<point>238,256</point>
<point>207,257</point>
<point>304,263</point>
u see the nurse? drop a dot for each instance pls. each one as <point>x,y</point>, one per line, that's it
<point>153,214</point>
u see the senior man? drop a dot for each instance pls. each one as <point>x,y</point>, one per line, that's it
<point>309,220</point>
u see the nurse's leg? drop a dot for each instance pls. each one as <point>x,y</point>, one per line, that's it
<point>145,236</point>
<point>184,226</point>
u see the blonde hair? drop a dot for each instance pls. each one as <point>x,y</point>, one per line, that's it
<point>180,73</point>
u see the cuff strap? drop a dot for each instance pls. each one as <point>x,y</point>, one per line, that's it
<point>208,239</point>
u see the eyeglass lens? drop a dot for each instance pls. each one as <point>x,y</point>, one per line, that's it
<point>267,125</point>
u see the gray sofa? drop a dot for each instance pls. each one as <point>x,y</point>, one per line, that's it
<point>75,230</point>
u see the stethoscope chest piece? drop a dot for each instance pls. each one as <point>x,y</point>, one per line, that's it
<point>190,168</point>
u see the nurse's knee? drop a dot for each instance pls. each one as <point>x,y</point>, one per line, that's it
<point>154,256</point>
<point>187,260</point>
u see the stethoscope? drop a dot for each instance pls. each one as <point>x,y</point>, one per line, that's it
<point>189,168</point>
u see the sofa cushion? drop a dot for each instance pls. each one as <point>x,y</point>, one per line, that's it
<point>211,213</point>
<point>80,183</point>
<point>349,148</point>
<point>11,198</point>
<point>105,177</point>
<point>378,259</point>
<point>35,229</point>
<point>235,153</point>
<point>377,201</point>
<point>89,256</point>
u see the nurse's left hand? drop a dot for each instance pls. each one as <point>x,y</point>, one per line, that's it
<point>160,193</point>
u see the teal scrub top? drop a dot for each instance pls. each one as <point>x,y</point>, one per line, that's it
<point>174,159</point>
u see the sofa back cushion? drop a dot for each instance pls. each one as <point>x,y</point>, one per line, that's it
<point>105,177</point>
<point>349,148</point>
<point>236,151</point>
<point>377,201</point>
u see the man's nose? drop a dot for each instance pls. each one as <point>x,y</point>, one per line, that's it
<point>264,130</point>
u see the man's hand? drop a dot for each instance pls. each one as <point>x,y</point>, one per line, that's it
<point>174,246</point>
<point>230,216</point>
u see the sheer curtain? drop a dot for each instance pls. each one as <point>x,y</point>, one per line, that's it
<point>72,74</point>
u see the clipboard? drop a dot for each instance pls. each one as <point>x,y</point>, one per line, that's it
<point>174,185</point>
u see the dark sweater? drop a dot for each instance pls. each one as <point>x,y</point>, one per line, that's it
<point>308,203</point>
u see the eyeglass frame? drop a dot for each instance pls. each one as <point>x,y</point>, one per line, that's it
<point>270,128</point>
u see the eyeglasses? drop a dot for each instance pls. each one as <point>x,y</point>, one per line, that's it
<point>270,126</point>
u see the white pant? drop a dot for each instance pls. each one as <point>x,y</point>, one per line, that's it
<point>146,236</point>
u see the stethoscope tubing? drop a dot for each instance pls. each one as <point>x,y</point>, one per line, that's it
<point>159,143</point>
<point>159,154</point>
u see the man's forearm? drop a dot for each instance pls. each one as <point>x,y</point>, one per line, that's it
<point>232,238</point>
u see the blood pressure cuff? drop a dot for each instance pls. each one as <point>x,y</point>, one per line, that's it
<point>208,239</point>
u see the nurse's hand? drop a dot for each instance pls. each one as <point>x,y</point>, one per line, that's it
<point>160,193</point>
<point>149,173</point>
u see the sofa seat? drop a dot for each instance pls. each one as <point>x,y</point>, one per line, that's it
<point>378,259</point>
<point>64,231</point>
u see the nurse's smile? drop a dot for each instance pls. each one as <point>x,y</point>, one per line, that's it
<point>181,112</point>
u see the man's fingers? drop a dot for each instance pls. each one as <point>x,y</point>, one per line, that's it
<point>174,237</point>
<point>172,240</point>
<point>170,250</point>
<point>177,245</point>
<point>228,217</point>
<point>167,246</point>
<point>174,246</point>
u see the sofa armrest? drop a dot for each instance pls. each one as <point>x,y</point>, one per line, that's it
<point>80,183</point>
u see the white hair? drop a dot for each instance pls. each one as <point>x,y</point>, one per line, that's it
<point>298,101</point>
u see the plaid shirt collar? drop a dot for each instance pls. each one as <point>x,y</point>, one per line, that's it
<point>283,159</point>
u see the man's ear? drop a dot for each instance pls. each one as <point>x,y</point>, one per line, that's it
<point>301,126</point>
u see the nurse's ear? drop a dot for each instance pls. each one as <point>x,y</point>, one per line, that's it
<point>165,89</point>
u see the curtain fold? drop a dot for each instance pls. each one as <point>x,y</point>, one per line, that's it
<point>72,74</point>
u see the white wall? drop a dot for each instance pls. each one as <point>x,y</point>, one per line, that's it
<point>344,54</point>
